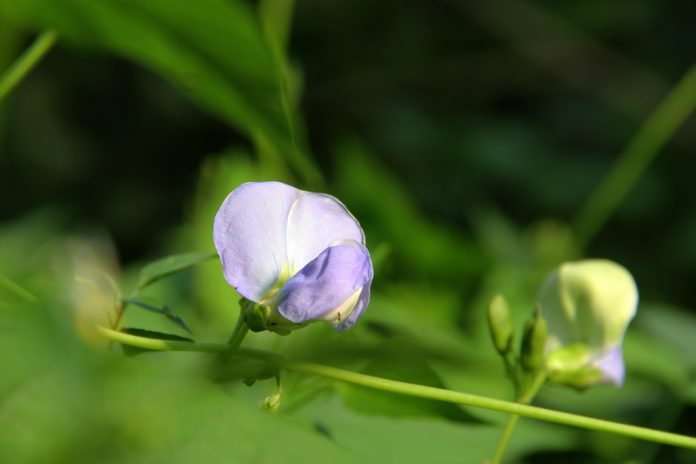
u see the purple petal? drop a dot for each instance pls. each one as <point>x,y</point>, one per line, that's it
<point>317,221</point>
<point>267,231</point>
<point>612,366</point>
<point>338,275</point>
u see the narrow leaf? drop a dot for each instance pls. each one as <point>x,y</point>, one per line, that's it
<point>17,290</point>
<point>170,265</point>
<point>407,367</point>
<point>164,311</point>
<point>215,51</point>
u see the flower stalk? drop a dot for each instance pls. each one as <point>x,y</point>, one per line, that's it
<point>526,397</point>
<point>19,70</point>
<point>420,391</point>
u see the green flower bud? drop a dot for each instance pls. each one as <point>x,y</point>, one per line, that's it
<point>272,402</point>
<point>534,343</point>
<point>588,305</point>
<point>500,324</point>
<point>260,317</point>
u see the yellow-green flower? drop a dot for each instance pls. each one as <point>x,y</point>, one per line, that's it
<point>588,306</point>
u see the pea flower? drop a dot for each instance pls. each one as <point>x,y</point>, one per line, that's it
<point>588,306</point>
<point>299,256</point>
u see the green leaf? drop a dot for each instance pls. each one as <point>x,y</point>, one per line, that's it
<point>215,51</point>
<point>421,247</point>
<point>244,368</point>
<point>408,366</point>
<point>135,412</point>
<point>650,357</point>
<point>132,350</point>
<point>170,265</point>
<point>164,311</point>
<point>423,440</point>
<point>11,287</point>
<point>690,394</point>
<point>674,326</point>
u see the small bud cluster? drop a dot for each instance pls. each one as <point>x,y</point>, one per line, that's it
<point>575,335</point>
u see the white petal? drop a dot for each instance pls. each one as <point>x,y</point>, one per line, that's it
<point>250,234</point>
<point>591,301</point>
<point>317,221</point>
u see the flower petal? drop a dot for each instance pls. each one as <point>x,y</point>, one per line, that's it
<point>359,308</point>
<point>327,283</point>
<point>315,222</point>
<point>612,366</point>
<point>591,301</point>
<point>250,234</point>
<point>267,231</point>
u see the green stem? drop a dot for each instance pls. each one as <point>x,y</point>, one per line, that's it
<point>26,62</point>
<point>156,344</point>
<point>525,398</point>
<point>17,289</point>
<point>636,157</point>
<point>532,412</point>
<point>505,438</point>
<point>410,389</point>
<point>238,334</point>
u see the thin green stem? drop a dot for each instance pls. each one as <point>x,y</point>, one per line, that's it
<point>637,156</point>
<point>156,344</point>
<point>532,412</point>
<point>26,62</point>
<point>410,389</point>
<point>17,289</point>
<point>238,334</point>
<point>535,385</point>
<point>240,331</point>
<point>525,398</point>
<point>505,438</point>
<point>276,18</point>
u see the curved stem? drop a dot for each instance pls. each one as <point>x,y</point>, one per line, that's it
<point>532,412</point>
<point>525,398</point>
<point>637,156</point>
<point>240,331</point>
<point>238,334</point>
<point>157,344</point>
<point>410,389</point>
<point>26,62</point>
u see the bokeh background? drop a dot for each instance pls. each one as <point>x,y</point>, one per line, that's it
<point>466,136</point>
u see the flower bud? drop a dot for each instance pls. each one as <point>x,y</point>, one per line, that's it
<point>500,325</point>
<point>534,343</point>
<point>260,317</point>
<point>272,402</point>
<point>587,305</point>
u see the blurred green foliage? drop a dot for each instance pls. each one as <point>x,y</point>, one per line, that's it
<point>464,136</point>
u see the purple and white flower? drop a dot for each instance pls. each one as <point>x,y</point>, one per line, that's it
<point>299,255</point>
